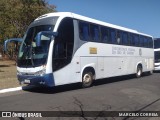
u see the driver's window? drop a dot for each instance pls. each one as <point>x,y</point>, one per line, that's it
<point>59,50</point>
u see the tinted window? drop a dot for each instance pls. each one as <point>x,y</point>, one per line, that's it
<point>84,31</point>
<point>129,38</point>
<point>136,39</point>
<point>95,35</point>
<point>63,45</point>
<point>112,36</point>
<point>119,37</point>
<point>104,34</point>
<point>125,40</point>
<point>141,41</point>
<point>157,56</point>
<point>132,40</point>
<point>145,42</point>
<point>150,42</point>
<point>157,43</point>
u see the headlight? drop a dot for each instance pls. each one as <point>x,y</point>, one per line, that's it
<point>19,73</point>
<point>40,73</point>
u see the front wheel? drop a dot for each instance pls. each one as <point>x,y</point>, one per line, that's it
<point>139,71</point>
<point>87,79</point>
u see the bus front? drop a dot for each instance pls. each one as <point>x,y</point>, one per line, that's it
<point>157,54</point>
<point>33,58</point>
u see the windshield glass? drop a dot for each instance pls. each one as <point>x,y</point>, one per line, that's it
<point>157,44</point>
<point>157,56</point>
<point>29,54</point>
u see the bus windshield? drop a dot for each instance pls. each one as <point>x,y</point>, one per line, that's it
<point>157,56</point>
<point>31,55</point>
<point>157,44</point>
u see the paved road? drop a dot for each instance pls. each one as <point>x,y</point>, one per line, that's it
<point>115,94</point>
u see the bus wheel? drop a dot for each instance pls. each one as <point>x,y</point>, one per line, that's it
<point>87,79</point>
<point>139,71</point>
<point>151,72</point>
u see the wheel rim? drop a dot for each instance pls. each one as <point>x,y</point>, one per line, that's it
<point>139,72</point>
<point>87,78</point>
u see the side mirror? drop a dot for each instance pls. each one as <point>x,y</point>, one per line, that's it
<point>11,40</point>
<point>44,33</point>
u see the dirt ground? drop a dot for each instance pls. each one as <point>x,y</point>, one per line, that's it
<point>8,77</point>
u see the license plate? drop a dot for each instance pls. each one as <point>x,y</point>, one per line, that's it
<point>27,81</point>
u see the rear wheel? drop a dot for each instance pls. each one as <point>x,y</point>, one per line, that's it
<point>87,79</point>
<point>151,72</point>
<point>139,71</point>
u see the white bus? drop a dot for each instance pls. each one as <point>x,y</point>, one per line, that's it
<point>62,48</point>
<point>157,54</point>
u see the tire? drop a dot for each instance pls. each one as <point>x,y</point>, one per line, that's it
<point>150,72</point>
<point>87,79</point>
<point>139,71</point>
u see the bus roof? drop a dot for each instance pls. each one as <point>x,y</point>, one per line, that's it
<point>83,18</point>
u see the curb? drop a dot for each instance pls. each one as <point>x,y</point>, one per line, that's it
<point>10,90</point>
<point>15,89</point>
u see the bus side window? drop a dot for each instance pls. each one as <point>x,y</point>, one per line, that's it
<point>132,40</point>
<point>129,39</point>
<point>95,34</point>
<point>84,31</point>
<point>141,41</point>
<point>136,38</point>
<point>125,40</point>
<point>119,37</point>
<point>112,36</point>
<point>150,42</point>
<point>146,42</point>
<point>104,35</point>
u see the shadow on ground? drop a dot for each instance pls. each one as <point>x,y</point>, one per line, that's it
<point>76,86</point>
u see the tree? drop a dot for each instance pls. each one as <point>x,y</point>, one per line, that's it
<point>16,15</point>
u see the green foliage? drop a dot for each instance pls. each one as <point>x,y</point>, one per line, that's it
<point>16,15</point>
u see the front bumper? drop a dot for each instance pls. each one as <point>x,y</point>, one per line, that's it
<point>45,80</point>
<point>157,68</point>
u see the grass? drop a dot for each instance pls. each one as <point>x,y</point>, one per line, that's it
<point>8,77</point>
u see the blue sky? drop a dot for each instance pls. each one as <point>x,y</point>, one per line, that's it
<point>140,15</point>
